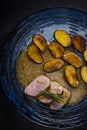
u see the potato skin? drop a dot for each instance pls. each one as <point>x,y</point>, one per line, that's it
<point>73,59</point>
<point>63,38</point>
<point>84,73</point>
<point>71,76</point>
<point>79,43</point>
<point>40,42</point>
<point>85,55</point>
<point>53,64</point>
<point>56,49</point>
<point>34,54</point>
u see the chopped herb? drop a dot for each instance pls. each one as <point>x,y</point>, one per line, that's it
<point>55,96</point>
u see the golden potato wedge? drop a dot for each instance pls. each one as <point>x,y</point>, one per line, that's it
<point>63,38</point>
<point>53,64</point>
<point>71,76</point>
<point>73,59</point>
<point>34,54</point>
<point>56,49</point>
<point>85,55</point>
<point>79,43</point>
<point>40,42</point>
<point>84,73</point>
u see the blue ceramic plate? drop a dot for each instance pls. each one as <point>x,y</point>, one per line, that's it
<point>44,22</point>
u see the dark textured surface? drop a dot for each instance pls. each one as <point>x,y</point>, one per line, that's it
<point>11,13</point>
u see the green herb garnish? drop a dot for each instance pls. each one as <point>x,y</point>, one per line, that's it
<point>55,96</point>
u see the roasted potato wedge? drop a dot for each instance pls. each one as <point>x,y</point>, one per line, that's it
<point>84,73</point>
<point>40,42</point>
<point>53,64</point>
<point>73,59</point>
<point>79,43</point>
<point>63,38</point>
<point>85,55</point>
<point>71,76</point>
<point>34,54</point>
<point>56,49</point>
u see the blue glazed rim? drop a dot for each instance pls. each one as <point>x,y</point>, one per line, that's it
<point>68,116</point>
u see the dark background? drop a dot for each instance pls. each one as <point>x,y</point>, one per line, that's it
<point>11,13</point>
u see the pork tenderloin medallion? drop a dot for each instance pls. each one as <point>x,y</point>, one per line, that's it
<point>37,86</point>
<point>55,88</point>
<point>57,105</point>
